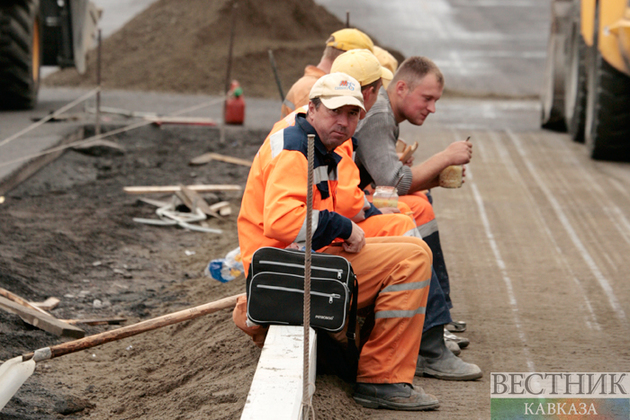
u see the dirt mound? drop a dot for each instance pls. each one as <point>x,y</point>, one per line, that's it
<point>182,46</point>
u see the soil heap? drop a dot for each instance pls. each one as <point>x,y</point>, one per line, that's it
<point>182,46</point>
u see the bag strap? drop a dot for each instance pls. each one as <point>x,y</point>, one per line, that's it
<point>351,333</point>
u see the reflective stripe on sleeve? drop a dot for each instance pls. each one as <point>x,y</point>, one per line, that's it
<point>400,313</point>
<point>301,237</point>
<point>276,141</point>
<point>289,104</point>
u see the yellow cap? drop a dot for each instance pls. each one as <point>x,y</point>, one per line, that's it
<point>336,90</point>
<point>386,59</point>
<point>349,39</point>
<point>362,65</point>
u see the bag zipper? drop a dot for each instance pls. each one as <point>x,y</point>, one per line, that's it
<point>330,296</point>
<point>334,270</point>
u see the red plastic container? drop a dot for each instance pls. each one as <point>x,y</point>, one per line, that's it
<point>234,112</point>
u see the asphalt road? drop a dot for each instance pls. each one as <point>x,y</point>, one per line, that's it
<point>483,47</point>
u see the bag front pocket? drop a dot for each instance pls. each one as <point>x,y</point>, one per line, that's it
<point>277,298</point>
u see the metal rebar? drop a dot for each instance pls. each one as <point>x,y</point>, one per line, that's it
<point>307,276</point>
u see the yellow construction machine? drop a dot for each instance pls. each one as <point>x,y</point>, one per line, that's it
<point>587,76</point>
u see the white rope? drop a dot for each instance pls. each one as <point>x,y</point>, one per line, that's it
<point>109,133</point>
<point>51,116</point>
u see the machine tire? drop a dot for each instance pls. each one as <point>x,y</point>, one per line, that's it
<point>552,99</point>
<point>20,53</point>
<point>575,82</point>
<point>607,130</point>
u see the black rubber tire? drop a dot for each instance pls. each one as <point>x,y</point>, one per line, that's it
<point>575,81</point>
<point>607,131</point>
<point>20,53</point>
<point>552,106</point>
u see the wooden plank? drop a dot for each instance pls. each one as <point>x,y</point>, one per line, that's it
<point>276,391</point>
<point>207,157</point>
<point>19,300</point>
<point>172,188</point>
<point>40,320</point>
<point>181,120</point>
<point>48,304</point>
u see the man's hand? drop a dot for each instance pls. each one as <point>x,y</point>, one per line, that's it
<point>389,210</point>
<point>356,241</point>
<point>459,152</point>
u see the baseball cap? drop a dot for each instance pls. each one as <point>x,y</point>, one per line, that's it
<point>386,59</point>
<point>336,90</point>
<point>362,65</point>
<point>349,39</point>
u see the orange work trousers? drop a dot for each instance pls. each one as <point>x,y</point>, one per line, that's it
<point>394,274</point>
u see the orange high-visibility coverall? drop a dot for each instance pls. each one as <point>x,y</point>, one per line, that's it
<point>393,272</point>
<point>351,200</point>
<point>297,96</point>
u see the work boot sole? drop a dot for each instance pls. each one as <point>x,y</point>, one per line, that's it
<point>427,371</point>
<point>372,402</point>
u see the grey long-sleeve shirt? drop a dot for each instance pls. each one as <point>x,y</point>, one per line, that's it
<point>376,156</point>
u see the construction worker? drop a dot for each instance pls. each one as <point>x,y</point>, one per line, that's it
<point>393,272</point>
<point>340,41</point>
<point>366,68</point>
<point>411,95</point>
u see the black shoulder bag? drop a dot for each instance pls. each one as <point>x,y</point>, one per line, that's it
<point>275,295</point>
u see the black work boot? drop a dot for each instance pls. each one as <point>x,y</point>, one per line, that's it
<point>394,397</point>
<point>437,361</point>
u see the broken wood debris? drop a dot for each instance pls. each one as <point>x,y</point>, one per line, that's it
<point>173,188</point>
<point>207,157</point>
<point>48,304</point>
<point>41,320</point>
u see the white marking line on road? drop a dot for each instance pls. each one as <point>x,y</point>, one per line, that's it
<point>506,278</point>
<point>590,318</point>
<point>564,220</point>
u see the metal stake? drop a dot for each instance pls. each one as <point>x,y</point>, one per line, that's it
<point>97,129</point>
<point>228,71</point>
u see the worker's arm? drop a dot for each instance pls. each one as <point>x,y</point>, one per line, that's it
<point>377,136</point>
<point>285,205</point>
<point>426,175</point>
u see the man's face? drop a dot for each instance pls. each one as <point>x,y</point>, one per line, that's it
<point>420,102</point>
<point>334,126</point>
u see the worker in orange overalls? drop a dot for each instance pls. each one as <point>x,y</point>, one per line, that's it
<point>393,272</point>
<point>340,41</point>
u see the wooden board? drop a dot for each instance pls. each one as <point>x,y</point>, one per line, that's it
<point>207,157</point>
<point>40,320</point>
<point>181,120</point>
<point>96,321</point>
<point>172,188</point>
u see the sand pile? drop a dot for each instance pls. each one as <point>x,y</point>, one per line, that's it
<point>182,46</point>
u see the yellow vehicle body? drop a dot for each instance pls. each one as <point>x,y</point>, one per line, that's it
<point>614,30</point>
<point>587,76</point>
